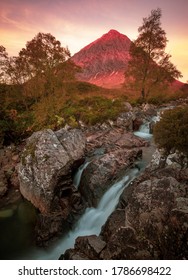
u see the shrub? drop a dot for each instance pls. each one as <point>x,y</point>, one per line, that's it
<point>14,126</point>
<point>92,110</point>
<point>171,131</point>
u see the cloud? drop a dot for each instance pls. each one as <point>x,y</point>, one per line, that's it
<point>77,23</point>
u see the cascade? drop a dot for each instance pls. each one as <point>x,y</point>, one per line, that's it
<point>94,218</point>
<point>144,130</point>
<point>78,175</point>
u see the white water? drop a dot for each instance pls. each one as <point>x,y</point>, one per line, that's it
<point>91,221</point>
<point>144,130</point>
<point>78,175</point>
<point>94,218</point>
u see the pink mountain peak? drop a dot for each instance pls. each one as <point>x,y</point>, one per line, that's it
<point>112,35</point>
<point>104,61</point>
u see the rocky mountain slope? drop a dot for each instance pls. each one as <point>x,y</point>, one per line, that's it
<point>104,61</point>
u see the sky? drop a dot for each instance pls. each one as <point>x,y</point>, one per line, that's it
<point>76,23</point>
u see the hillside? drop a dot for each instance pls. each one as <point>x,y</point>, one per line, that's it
<point>104,61</point>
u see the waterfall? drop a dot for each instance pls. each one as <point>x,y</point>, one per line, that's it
<point>144,130</point>
<point>92,220</point>
<point>78,175</point>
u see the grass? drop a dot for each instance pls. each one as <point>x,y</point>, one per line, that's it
<point>70,103</point>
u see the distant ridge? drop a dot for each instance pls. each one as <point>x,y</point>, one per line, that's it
<point>105,60</point>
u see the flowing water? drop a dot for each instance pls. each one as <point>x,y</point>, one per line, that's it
<point>93,218</point>
<point>91,221</point>
<point>78,175</point>
<point>144,130</point>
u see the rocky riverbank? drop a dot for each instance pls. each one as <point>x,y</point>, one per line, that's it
<point>150,222</point>
<point>150,212</point>
<point>47,168</point>
<point>9,183</point>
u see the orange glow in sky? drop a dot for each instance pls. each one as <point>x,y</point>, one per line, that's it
<point>77,23</point>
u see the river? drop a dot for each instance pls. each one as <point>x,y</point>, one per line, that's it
<point>19,247</point>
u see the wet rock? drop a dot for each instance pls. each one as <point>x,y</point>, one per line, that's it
<point>174,159</point>
<point>49,227</point>
<point>46,166</point>
<point>121,245</point>
<point>99,175</point>
<point>125,120</point>
<point>149,109</point>
<point>111,139</point>
<point>151,126</point>
<point>151,220</point>
<point>72,254</point>
<point>137,122</point>
<point>9,185</point>
<point>86,247</point>
<point>156,214</point>
<point>3,189</point>
<point>92,245</point>
<point>118,151</point>
<point>114,223</point>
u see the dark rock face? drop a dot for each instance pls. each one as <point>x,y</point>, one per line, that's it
<point>151,220</point>
<point>45,167</point>
<point>9,184</point>
<point>49,160</point>
<point>111,139</point>
<point>119,152</point>
<point>45,179</point>
<point>99,175</point>
<point>86,248</point>
<point>49,227</point>
<point>157,214</point>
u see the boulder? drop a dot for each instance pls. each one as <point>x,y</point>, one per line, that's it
<point>155,217</point>
<point>102,171</point>
<point>137,122</point>
<point>117,151</point>
<point>86,247</point>
<point>125,120</point>
<point>174,159</point>
<point>149,109</point>
<point>9,184</point>
<point>3,189</point>
<point>150,221</point>
<point>111,139</point>
<point>49,227</point>
<point>45,168</point>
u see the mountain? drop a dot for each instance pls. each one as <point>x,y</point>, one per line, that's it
<point>104,61</point>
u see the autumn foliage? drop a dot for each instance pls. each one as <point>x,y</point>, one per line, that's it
<point>171,131</point>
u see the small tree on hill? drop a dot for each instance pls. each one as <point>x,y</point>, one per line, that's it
<point>171,131</point>
<point>150,66</point>
<point>3,58</point>
<point>40,59</point>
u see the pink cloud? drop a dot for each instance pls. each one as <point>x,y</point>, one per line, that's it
<point>76,23</point>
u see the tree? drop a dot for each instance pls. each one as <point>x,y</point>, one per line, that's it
<point>41,60</point>
<point>40,68</point>
<point>149,65</point>
<point>171,131</point>
<point>3,57</point>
